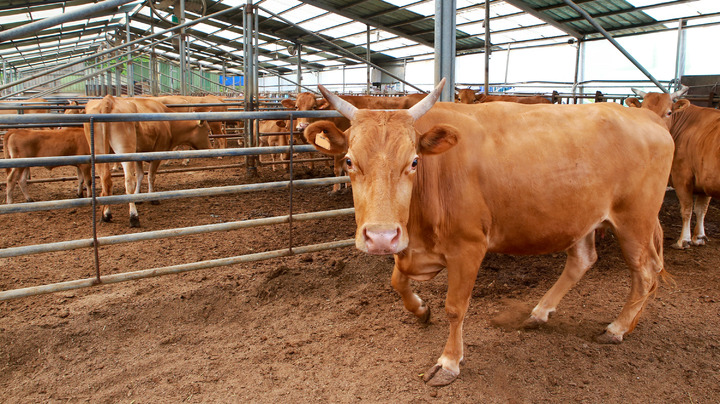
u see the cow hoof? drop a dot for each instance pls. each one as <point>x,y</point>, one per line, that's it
<point>134,221</point>
<point>607,338</point>
<point>30,200</point>
<point>425,317</point>
<point>107,218</point>
<point>154,202</point>
<point>701,240</point>
<point>532,323</point>
<point>437,376</point>
<point>681,245</point>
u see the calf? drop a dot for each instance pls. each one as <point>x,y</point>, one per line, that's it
<point>25,143</point>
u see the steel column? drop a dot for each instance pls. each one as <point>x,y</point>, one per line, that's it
<point>614,42</point>
<point>367,56</point>
<point>130,69</point>
<point>487,48</point>
<point>680,53</point>
<point>445,47</point>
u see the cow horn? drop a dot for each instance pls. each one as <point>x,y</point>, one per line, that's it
<point>345,108</point>
<point>639,93</point>
<point>419,109</point>
<point>679,93</point>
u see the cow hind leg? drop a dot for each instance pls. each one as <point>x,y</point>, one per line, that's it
<point>700,208</point>
<point>23,177</point>
<point>131,187</point>
<point>12,179</point>
<point>580,257</point>
<point>642,250</point>
<point>106,185</point>
<point>81,181</point>
<point>685,197</point>
<point>152,171</point>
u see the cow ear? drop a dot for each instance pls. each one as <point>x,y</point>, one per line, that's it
<point>633,102</point>
<point>327,138</point>
<point>680,105</point>
<point>288,103</point>
<point>438,139</point>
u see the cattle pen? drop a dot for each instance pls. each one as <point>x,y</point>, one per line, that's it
<point>273,295</point>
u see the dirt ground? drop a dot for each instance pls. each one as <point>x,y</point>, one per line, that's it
<point>327,326</point>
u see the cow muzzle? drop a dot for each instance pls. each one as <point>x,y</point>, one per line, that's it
<point>302,125</point>
<point>382,240</point>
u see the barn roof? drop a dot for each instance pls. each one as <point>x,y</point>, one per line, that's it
<point>331,32</point>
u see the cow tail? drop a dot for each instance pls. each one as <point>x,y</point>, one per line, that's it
<point>658,243</point>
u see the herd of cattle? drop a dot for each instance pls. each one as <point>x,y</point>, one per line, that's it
<point>441,184</point>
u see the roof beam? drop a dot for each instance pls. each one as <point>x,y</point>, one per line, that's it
<point>321,4</point>
<point>562,27</point>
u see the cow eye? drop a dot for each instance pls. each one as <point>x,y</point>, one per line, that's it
<point>348,163</point>
<point>668,113</point>
<point>415,162</point>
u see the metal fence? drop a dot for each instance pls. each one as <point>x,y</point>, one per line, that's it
<point>95,242</point>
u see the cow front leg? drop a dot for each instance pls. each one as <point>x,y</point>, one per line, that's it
<point>580,257</point>
<point>412,302</point>
<point>462,272</point>
<point>701,206</point>
<point>81,182</point>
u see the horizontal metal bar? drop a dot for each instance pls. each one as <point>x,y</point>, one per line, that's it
<point>176,232</point>
<point>174,269</point>
<point>149,156</point>
<point>156,196</point>
<point>171,116</point>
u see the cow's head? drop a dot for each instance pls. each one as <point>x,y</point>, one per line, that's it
<point>305,102</point>
<point>466,96</point>
<point>659,103</point>
<point>383,152</point>
<point>199,135</point>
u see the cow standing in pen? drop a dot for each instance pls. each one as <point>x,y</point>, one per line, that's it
<point>131,137</point>
<point>696,164</point>
<point>27,143</point>
<point>442,184</point>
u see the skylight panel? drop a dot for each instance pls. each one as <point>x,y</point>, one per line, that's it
<point>409,51</point>
<point>401,3</point>
<point>278,6</point>
<point>677,11</point>
<point>324,22</point>
<point>390,44</point>
<point>302,13</point>
<point>425,9</point>
<point>346,31</point>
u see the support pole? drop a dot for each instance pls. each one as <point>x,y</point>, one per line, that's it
<point>487,47</point>
<point>130,69</point>
<point>183,86</point>
<point>680,53</point>
<point>614,42</point>
<point>367,56</point>
<point>445,47</point>
<point>299,49</point>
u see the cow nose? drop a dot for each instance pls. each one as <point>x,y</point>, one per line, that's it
<point>382,241</point>
<point>302,125</point>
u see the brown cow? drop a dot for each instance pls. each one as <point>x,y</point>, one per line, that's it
<point>659,103</point>
<point>440,186</point>
<point>71,111</point>
<point>25,143</point>
<point>217,127</point>
<point>696,131</point>
<point>276,140</point>
<point>308,101</point>
<point>468,96</point>
<point>130,137</point>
